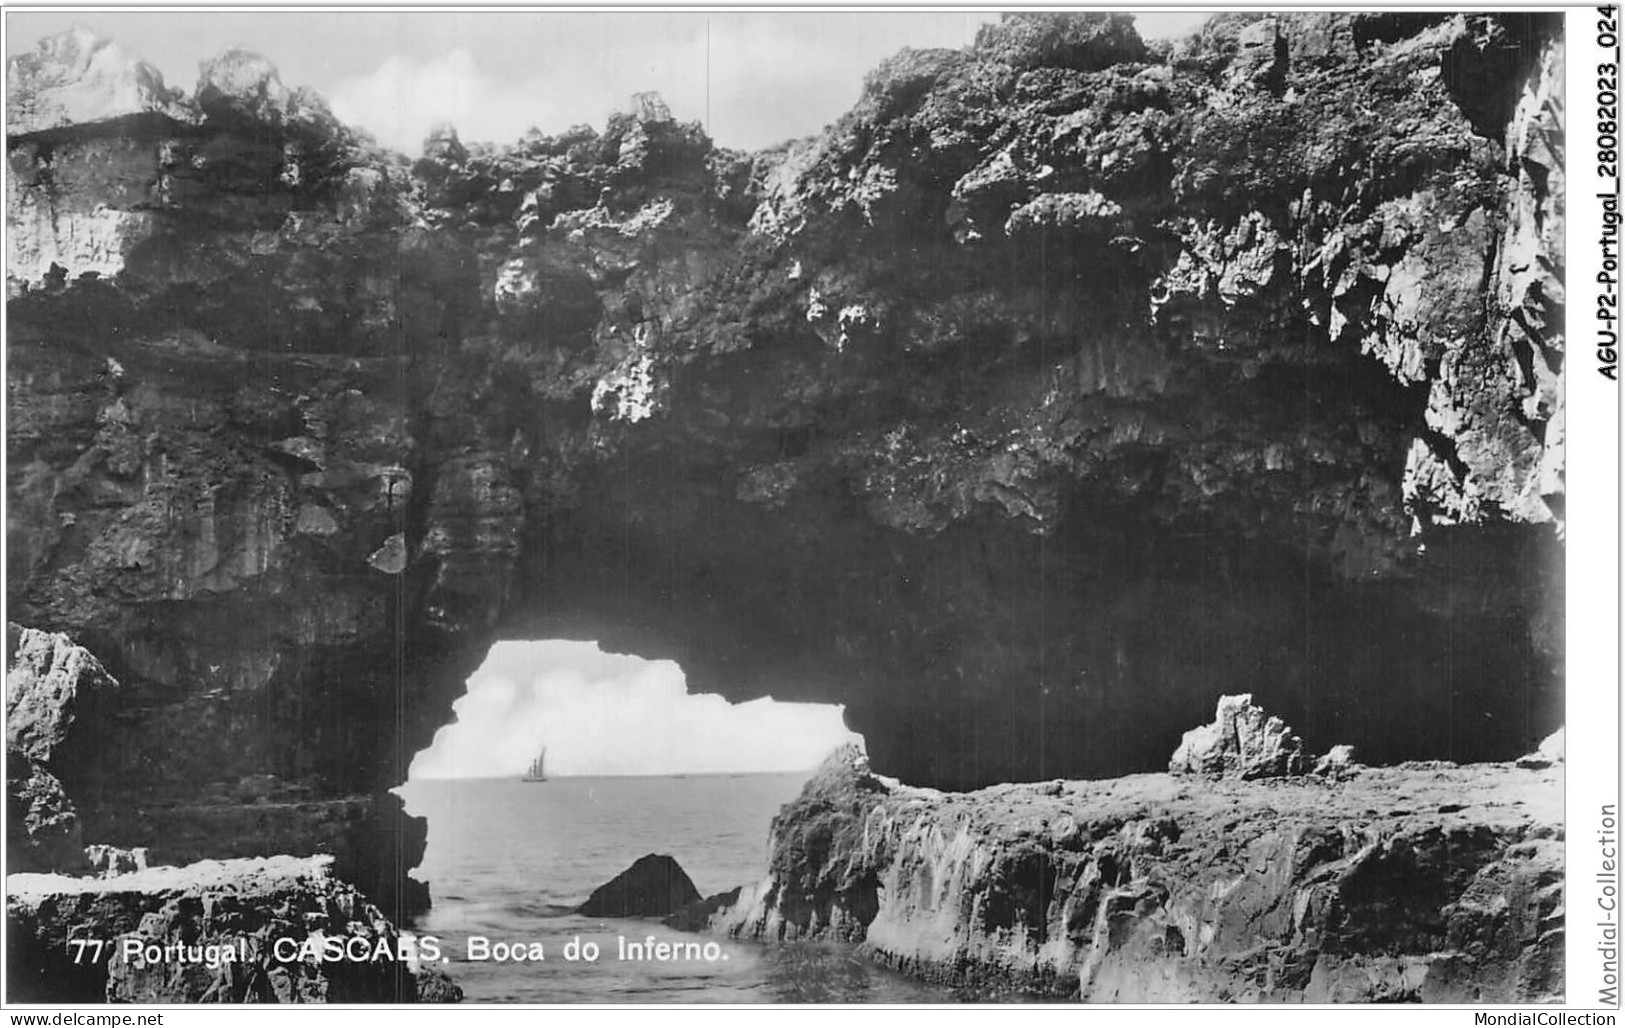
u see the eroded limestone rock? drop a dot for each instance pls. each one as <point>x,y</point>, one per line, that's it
<point>1337,762</point>
<point>109,861</point>
<point>1431,884</point>
<point>59,698</point>
<point>259,912</point>
<point>242,83</point>
<point>43,831</point>
<point>79,78</point>
<point>61,733</point>
<point>1552,750</point>
<point>1242,742</point>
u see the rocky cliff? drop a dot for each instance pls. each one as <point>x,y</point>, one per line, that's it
<point>1429,882</point>
<point>1064,384</point>
<point>270,930</point>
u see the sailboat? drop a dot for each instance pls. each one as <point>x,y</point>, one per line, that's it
<point>537,771</point>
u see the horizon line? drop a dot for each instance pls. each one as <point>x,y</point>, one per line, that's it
<point>518,776</point>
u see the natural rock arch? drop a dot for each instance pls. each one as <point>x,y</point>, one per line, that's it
<point>1024,467</point>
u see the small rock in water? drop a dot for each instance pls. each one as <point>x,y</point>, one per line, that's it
<point>696,916</point>
<point>654,886</point>
<point>1242,742</point>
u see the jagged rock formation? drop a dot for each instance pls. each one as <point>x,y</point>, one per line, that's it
<point>61,711</point>
<point>109,861</point>
<point>1432,883</point>
<point>1337,762</point>
<point>654,886</point>
<point>42,827</point>
<point>1555,746</point>
<point>699,915</point>
<point>60,701</point>
<point>1552,750</point>
<point>77,78</point>
<point>214,932</point>
<point>1241,742</point>
<point>1024,411</point>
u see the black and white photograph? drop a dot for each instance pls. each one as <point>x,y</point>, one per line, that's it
<point>794,506</point>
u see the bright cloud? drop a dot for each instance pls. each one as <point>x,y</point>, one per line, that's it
<point>754,79</point>
<point>609,714</point>
<point>405,97</point>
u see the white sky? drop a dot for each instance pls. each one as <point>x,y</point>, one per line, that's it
<point>756,78</point>
<point>608,714</point>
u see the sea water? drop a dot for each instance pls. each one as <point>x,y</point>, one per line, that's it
<point>509,861</point>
